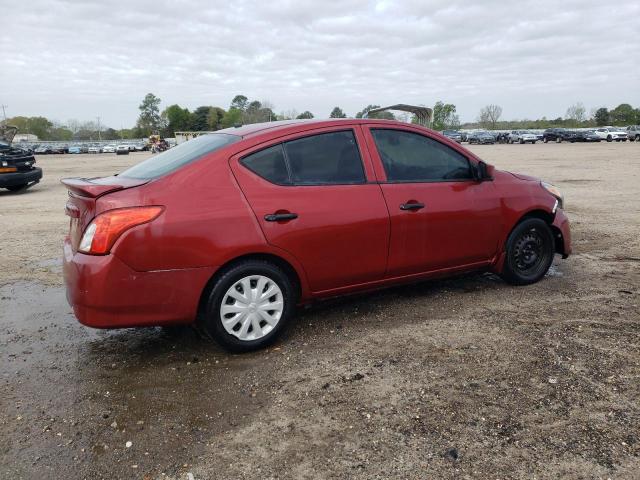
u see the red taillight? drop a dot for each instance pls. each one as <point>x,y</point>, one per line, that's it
<point>107,227</point>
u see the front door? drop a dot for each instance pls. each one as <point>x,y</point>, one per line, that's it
<point>441,217</point>
<point>312,197</point>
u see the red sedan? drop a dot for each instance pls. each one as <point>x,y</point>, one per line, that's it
<point>232,230</point>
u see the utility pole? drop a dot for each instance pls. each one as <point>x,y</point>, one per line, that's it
<point>99,136</point>
<point>4,113</point>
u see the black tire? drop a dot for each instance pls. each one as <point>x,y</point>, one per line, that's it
<point>17,188</point>
<point>521,142</point>
<point>529,252</point>
<point>609,138</point>
<point>210,321</point>
<point>545,140</point>
<point>558,140</point>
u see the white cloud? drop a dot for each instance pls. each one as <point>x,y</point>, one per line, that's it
<point>82,59</point>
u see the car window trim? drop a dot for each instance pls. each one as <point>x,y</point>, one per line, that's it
<point>288,166</point>
<point>470,164</point>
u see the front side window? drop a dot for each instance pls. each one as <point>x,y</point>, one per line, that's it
<point>411,157</point>
<point>324,159</point>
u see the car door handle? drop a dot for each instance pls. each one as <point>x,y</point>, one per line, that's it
<point>412,206</point>
<point>277,217</point>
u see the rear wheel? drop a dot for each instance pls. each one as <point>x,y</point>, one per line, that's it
<point>529,252</point>
<point>609,138</point>
<point>249,306</point>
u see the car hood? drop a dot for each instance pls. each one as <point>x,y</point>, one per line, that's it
<point>7,133</point>
<point>528,178</point>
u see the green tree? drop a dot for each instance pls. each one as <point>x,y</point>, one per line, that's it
<point>149,120</point>
<point>444,116</point>
<point>386,115</point>
<point>39,126</point>
<point>601,116</point>
<point>239,102</point>
<point>623,114</point>
<point>490,115</point>
<point>306,115</point>
<point>177,119</point>
<point>216,114</point>
<point>200,119</point>
<point>232,118</point>
<point>337,113</point>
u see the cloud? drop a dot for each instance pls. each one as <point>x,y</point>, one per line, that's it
<point>68,59</point>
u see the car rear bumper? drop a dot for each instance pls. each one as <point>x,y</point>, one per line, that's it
<point>20,178</point>
<point>106,293</point>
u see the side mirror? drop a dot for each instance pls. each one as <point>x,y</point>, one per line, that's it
<point>484,171</point>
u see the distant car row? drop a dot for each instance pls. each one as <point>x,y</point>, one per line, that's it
<point>120,149</point>
<point>608,134</point>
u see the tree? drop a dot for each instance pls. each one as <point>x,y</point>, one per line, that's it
<point>489,116</point>
<point>216,114</point>
<point>200,119</point>
<point>577,113</point>
<point>39,126</point>
<point>444,116</point>
<point>149,120</point>
<point>177,119</point>
<point>387,115</point>
<point>232,118</point>
<point>239,102</point>
<point>601,116</point>
<point>623,114</point>
<point>337,113</point>
<point>306,115</point>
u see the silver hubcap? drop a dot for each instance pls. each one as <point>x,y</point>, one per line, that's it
<point>252,307</point>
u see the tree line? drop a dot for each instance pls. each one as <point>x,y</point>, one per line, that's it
<point>242,110</point>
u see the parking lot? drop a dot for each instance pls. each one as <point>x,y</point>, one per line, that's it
<point>463,378</point>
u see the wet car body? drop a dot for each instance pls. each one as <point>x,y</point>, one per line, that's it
<point>360,229</point>
<point>17,166</point>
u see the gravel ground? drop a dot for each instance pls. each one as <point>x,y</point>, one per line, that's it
<point>463,378</point>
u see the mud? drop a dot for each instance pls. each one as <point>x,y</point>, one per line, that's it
<point>462,378</point>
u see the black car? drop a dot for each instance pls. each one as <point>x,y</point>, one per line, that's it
<point>481,138</point>
<point>17,170</point>
<point>453,135</point>
<point>558,135</point>
<point>587,136</point>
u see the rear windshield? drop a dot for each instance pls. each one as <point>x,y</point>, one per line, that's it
<point>178,156</point>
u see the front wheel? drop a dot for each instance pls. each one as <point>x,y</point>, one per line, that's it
<point>529,252</point>
<point>609,138</point>
<point>249,306</point>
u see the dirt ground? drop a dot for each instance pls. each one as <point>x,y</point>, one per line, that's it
<point>463,378</point>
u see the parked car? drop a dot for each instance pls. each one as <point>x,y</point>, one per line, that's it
<point>522,136</point>
<point>481,138</point>
<point>109,148</point>
<point>122,150</point>
<point>587,136</point>
<point>43,150</point>
<point>75,149</point>
<point>59,149</point>
<point>237,227</point>
<point>453,135</point>
<point>611,134</point>
<point>17,166</point>
<point>633,133</point>
<point>558,135</point>
<point>94,149</point>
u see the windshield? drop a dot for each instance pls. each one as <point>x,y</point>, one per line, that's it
<point>176,157</point>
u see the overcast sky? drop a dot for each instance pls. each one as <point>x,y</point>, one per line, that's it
<point>82,59</point>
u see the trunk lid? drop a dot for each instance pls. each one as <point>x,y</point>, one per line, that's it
<point>82,203</point>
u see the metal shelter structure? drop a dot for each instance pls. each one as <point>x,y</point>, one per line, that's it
<point>424,115</point>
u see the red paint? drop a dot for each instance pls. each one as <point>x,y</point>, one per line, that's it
<point>346,238</point>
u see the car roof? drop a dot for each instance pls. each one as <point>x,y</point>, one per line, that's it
<point>282,126</point>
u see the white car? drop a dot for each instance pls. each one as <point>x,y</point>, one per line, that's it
<point>94,149</point>
<point>522,136</point>
<point>109,149</point>
<point>612,133</point>
<point>122,150</point>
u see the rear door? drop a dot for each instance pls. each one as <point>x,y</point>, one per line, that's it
<point>314,195</point>
<point>441,217</point>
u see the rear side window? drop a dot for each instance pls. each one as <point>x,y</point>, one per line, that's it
<point>269,164</point>
<point>324,159</point>
<point>176,157</point>
<point>410,157</point>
